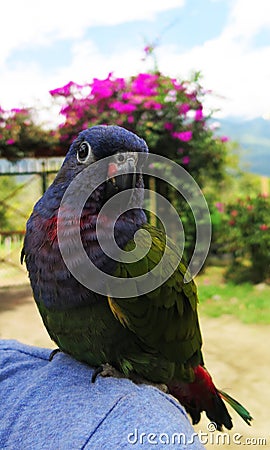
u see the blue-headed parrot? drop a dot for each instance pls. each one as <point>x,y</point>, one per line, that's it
<point>155,335</point>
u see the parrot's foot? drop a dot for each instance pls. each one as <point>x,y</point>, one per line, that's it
<point>53,353</point>
<point>106,370</point>
<point>140,380</point>
<point>160,386</point>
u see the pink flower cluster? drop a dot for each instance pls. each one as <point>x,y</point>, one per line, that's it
<point>184,136</point>
<point>149,103</point>
<point>66,90</point>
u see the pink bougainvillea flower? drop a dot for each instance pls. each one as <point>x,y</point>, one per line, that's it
<point>145,84</point>
<point>123,108</point>
<point>264,227</point>
<point>148,49</point>
<point>132,98</point>
<point>10,141</point>
<point>152,104</point>
<point>185,159</point>
<point>101,89</point>
<point>168,126</point>
<point>198,115</point>
<point>119,83</point>
<point>184,136</point>
<point>65,90</point>
<point>184,108</point>
<point>224,139</point>
<point>178,86</point>
<point>19,110</point>
<point>106,88</point>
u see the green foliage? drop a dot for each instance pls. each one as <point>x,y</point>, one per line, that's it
<point>20,136</point>
<point>245,233</point>
<point>7,184</point>
<point>16,200</point>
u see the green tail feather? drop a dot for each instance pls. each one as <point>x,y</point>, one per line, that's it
<point>237,407</point>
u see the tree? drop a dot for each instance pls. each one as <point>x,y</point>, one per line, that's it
<point>245,223</point>
<point>20,136</point>
<point>167,113</point>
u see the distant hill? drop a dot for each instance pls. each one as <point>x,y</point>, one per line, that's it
<point>254,137</point>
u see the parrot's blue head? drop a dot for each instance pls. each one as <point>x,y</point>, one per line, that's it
<point>107,140</point>
<point>99,142</point>
<point>121,171</point>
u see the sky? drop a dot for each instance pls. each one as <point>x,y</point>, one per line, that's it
<point>44,45</point>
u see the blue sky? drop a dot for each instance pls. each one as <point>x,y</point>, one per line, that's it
<point>46,44</point>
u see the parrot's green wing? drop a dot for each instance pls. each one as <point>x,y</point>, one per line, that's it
<point>165,319</point>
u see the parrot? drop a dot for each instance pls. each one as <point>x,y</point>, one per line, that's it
<point>154,335</point>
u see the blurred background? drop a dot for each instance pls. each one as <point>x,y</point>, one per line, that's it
<point>191,78</point>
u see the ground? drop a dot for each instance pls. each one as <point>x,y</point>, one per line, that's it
<point>236,355</point>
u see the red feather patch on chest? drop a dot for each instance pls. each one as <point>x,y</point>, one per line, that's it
<point>87,224</point>
<point>51,229</point>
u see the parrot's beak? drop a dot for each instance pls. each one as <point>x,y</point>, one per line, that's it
<point>121,175</point>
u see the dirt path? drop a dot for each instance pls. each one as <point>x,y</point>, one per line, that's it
<point>237,356</point>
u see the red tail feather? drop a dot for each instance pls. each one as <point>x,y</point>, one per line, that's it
<point>202,395</point>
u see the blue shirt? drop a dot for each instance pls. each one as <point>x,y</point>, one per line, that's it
<point>54,406</point>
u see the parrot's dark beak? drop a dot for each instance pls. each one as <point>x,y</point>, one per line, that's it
<point>121,174</point>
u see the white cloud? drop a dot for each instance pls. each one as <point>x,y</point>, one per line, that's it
<point>88,62</point>
<point>230,64</point>
<point>247,18</point>
<point>30,22</point>
<point>28,84</point>
<point>27,24</point>
<point>232,71</point>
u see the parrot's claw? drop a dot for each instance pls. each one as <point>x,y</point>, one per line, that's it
<point>53,353</point>
<point>160,386</point>
<point>140,380</point>
<point>106,370</point>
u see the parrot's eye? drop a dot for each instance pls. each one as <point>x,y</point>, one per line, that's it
<point>120,157</point>
<point>84,152</point>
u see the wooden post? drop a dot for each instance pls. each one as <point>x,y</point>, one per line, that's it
<point>44,176</point>
<point>153,202</point>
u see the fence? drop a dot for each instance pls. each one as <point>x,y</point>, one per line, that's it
<point>21,184</point>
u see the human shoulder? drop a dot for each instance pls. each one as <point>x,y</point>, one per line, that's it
<point>66,410</point>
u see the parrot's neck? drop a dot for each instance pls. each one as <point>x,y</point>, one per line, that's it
<point>42,247</point>
<point>123,228</point>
